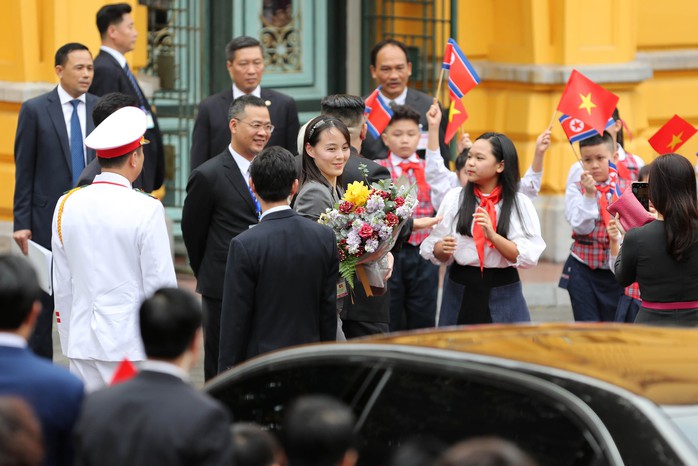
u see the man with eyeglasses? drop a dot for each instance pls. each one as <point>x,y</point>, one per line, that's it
<point>245,63</point>
<point>218,207</point>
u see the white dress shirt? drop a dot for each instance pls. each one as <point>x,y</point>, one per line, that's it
<point>257,92</point>
<point>399,100</point>
<point>523,231</point>
<point>12,340</point>
<point>67,108</point>
<point>164,368</point>
<point>116,54</point>
<point>242,163</point>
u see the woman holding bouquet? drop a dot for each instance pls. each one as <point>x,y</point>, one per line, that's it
<point>325,153</point>
<point>487,232</point>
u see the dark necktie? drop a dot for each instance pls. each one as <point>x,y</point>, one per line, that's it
<point>136,87</point>
<point>77,151</point>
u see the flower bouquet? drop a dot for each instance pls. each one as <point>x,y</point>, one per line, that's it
<point>366,222</point>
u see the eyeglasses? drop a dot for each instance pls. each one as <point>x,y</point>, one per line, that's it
<point>255,125</point>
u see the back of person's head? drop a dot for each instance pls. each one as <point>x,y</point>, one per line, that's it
<point>461,160</point>
<point>317,431</point>
<point>168,321</point>
<point>19,290</point>
<point>109,103</point>
<point>253,446</point>
<point>404,112</point>
<point>422,451</point>
<point>240,42</point>
<point>619,135</point>
<point>385,42</point>
<point>21,441</point>
<point>313,132</point>
<point>597,140</point>
<point>63,51</point>
<point>485,451</point>
<point>644,173</point>
<point>349,109</point>
<point>273,172</point>
<point>238,106</point>
<point>111,14</point>
<point>672,184</point>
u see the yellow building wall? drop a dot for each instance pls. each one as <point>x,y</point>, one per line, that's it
<point>542,33</point>
<point>30,33</point>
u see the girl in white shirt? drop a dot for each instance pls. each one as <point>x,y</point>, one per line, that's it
<point>488,230</point>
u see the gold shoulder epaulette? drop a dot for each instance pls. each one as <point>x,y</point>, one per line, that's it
<point>60,210</point>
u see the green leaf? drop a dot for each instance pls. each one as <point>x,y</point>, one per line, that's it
<point>347,269</point>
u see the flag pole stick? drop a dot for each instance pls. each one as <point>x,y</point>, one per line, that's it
<point>552,119</point>
<point>577,156</point>
<point>438,89</point>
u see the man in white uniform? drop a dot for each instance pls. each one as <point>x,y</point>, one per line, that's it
<point>111,251</point>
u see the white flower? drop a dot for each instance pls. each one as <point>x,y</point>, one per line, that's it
<point>371,245</point>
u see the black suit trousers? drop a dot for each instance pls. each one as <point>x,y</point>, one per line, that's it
<point>212,334</point>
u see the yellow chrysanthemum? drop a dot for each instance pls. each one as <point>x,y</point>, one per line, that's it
<point>357,192</point>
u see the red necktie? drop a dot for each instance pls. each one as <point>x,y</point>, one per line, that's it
<point>487,203</point>
<point>603,202</point>
<point>418,173</point>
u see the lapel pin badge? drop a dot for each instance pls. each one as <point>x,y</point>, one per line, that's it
<point>267,103</point>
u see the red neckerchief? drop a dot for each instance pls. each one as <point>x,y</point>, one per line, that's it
<point>487,203</point>
<point>418,172</point>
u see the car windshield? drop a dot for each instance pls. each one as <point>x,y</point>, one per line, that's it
<point>686,419</point>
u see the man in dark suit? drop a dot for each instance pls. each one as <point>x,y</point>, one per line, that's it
<point>112,74</point>
<point>54,394</point>
<point>391,68</point>
<point>245,63</point>
<point>157,417</point>
<point>219,206</point>
<point>49,156</point>
<point>267,302</point>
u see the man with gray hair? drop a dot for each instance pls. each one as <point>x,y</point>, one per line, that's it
<point>218,207</point>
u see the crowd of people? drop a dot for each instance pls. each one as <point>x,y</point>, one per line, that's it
<point>267,272</point>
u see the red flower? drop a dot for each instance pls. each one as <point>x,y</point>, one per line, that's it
<point>399,201</point>
<point>391,219</point>
<point>345,207</point>
<point>342,255</point>
<point>366,231</point>
<point>384,194</point>
<point>360,252</point>
<point>360,211</point>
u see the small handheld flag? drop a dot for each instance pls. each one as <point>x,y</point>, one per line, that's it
<point>672,135</point>
<point>378,113</point>
<point>124,371</point>
<point>462,77</point>
<point>613,176</point>
<point>456,117</point>
<point>576,130</point>
<point>585,100</point>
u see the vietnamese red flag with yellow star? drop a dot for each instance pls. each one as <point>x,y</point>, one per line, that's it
<point>456,117</point>
<point>672,135</point>
<point>587,101</point>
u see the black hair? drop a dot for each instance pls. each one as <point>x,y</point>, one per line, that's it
<point>462,159</point>
<point>168,321</point>
<point>237,107</point>
<point>116,162</point>
<point>313,131</point>
<point>485,451</point>
<point>673,193</point>
<point>111,14</point>
<point>252,446</point>
<point>62,53</point>
<point>317,430</point>
<point>240,42</point>
<point>349,109</point>
<point>19,290</point>
<point>385,42</point>
<point>404,112</point>
<point>643,173</point>
<point>504,151</point>
<point>417,451</point>
<point>619,136</point>
<point>273,172</point>
<point>109,103</point>
<point>597,140</point>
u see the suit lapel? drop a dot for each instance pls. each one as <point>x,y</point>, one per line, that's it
<point>90,125</point>
<point>55,113</point>
<point>226,100</point>
<point>232,172</point>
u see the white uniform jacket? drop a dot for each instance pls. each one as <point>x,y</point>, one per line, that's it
<point>111,253</point>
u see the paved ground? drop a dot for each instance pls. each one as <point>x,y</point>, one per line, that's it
<point>547,303</point>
